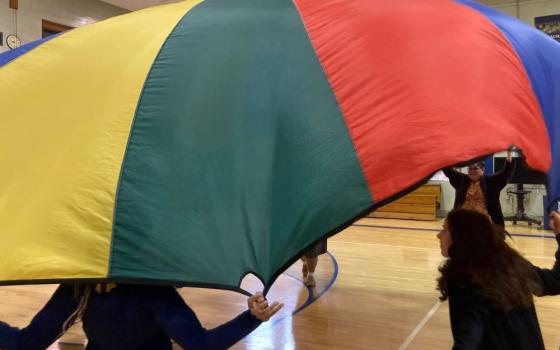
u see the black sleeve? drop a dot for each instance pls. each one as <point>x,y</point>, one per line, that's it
<point>455,178</point>
<point>550,278</point>
<point>467,313</point>
<point>500,179</point>
<point>178,320</point>
<point>45,327</point>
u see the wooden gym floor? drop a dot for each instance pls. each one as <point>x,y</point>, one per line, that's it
<point>375,290</point>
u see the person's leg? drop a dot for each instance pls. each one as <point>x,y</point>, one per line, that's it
<point>304,269</point>
<point>311,264</point>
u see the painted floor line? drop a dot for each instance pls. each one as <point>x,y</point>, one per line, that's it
<point>312,297</point>
<point>436,230</point>
<point>419,327</point>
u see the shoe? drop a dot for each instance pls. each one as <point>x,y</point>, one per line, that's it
<point>304,270</point>
<point>309,281</point>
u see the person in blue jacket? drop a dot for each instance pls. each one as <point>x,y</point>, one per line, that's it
<point>132,317</point>
<point>490,286</point>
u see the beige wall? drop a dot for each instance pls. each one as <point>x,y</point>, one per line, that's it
<point>528,10</point>
<point>73,13</point>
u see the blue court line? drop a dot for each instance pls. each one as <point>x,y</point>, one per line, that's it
<point>311,298</point>
<point>437,230</point>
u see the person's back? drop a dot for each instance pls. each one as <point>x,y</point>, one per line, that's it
<point>490,286</point>
<point>127,311</point>
<point>131,317</point>
<point>476,321</point>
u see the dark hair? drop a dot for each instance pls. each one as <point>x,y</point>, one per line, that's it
<point>480,257</point>
<point>481,165</point>
<point>82,294</point>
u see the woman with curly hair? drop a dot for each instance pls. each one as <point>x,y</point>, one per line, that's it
<point>490,286</point>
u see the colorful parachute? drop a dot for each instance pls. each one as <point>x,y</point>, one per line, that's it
<point>196,142</point>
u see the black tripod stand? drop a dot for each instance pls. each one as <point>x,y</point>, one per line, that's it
<point>520,193</point>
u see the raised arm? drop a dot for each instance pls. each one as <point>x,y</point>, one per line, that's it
<point>45,327</point>
<point>501,178</point>
<point>550,278</point>
<point>455,177</point>
<point>178,320</point>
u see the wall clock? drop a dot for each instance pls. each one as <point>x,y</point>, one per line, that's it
<point>13,41</point>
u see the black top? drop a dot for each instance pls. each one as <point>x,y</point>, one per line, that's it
<point>477,324</point>
<point>491,186</point>
<point>128,317</point>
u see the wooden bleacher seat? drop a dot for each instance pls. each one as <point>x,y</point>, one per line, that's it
<point>421,204</point>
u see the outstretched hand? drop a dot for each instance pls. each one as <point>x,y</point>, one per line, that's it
<point>259,307</point>
<point>509,155</point>
<point>555,222</point>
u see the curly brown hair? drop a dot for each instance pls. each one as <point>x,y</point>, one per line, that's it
<point>479,257</point>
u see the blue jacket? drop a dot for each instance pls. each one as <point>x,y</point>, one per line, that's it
<point>128,317</point>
